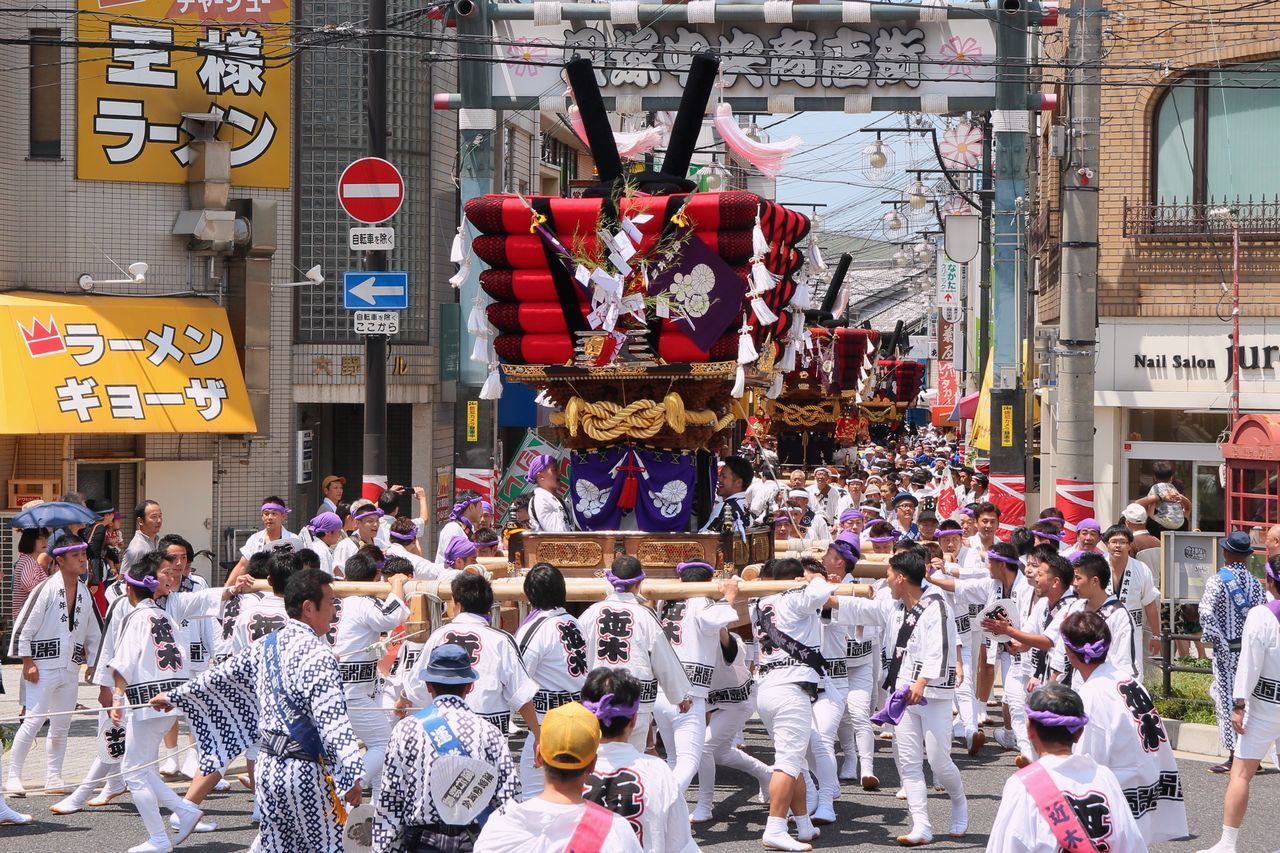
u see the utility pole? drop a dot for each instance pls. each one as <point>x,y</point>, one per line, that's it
<point>1009,122</point>
<point>984,257</point>
<point>1074,415</point>
<point>374,479</point>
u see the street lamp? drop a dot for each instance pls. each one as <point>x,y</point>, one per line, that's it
<point>894,224</point>
<point>916,195</point>
<point>901,259</point>
<point>877,157</point>
<point>923,252</point>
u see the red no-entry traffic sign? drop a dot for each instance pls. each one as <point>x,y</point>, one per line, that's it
<point>371,190</point>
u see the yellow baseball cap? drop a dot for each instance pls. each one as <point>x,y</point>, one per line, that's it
<point>570,737</point>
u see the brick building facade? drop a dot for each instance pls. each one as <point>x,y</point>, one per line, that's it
<point>1188,96</point>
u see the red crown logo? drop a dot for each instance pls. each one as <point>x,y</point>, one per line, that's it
<point>41,339</point>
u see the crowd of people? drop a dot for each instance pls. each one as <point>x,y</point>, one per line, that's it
<point>344,717</point>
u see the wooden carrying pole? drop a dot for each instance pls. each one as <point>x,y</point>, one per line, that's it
<point>589,589</point>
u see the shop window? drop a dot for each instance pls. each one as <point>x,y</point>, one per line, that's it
<point>45,96</point>
<point>1212,130</point>
<point>1175,425</point>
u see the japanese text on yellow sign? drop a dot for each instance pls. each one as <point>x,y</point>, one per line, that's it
<point>473,420</point>
<point>1006,426</point>
<point>169,57</point>
<point>75,364</point>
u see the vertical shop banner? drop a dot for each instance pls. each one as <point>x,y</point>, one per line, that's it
<point>948,378</point>
<point>228,59</point>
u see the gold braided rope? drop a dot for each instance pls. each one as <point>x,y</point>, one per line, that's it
<point>805,416</point>
<point>605,421</point>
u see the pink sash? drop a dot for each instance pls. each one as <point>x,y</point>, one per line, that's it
<point>1054,808</point>
<point>593,827</point>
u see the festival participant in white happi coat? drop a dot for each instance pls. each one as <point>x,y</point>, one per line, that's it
<point>1064,797</point>
<point>637,787</point>
<point>1135,587</point>
<point>833,692</point>
<point>921,678</point>
<point>197,636</point>
<point>559,820</point>
<point>546,511</point>
<point>1005,581</point>
<point>1039,634</point>
<point>1255,705</point>
<point>322,534</point>
<point>826,498</point>
<point>56,632</point>
<point>503,686</point>
<point>620,631</point>
<point>788,629</point>
<point>273,537</point>
<point>731,702</point>
<point>693,627</point>
<point>554,653</point>
<point>149,659</point>
<point>362,621</point>
<point>408,816</point>
<point>286,691</point>
<point>1090,584</point>
<point>1125,733</point>
<point>403,542</point>
<point>458,553</point>
<point>463,520</point>
<point>857,737</point>
<point>266,615</point>
<point>366,516</point>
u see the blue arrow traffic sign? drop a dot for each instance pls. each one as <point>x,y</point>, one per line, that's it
<point>388,291</point>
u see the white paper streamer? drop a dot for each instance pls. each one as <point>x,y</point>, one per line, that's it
<point>492,389</point>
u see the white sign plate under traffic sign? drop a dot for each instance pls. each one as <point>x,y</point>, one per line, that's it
<point>952,313</point>
<point>372,239</point>
<point>376,322</point>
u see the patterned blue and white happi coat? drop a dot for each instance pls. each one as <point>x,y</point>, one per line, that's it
<point>229,705</point>
<point>404,798</point>
<point>1222,624</point>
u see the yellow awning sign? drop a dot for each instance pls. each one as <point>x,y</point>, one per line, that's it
<point>115,364</point>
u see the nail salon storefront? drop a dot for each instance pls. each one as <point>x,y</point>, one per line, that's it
<point>1163,392</point>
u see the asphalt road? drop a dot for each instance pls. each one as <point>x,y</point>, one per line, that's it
<point>866,821</point>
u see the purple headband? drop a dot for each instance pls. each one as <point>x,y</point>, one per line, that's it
<point>691,564</point>
<point>1052,537</point>
<point>890,538</point>
<point>459,548</point>
<point>407,536</point>
<point>845,549</point>
<point>1048,718</point>
<point>851,515</point>
<point>67,549</point>
<point>542,463</point>
<point>325,522</point>
<point>152,583</point>
<point>366,511</point>
<point>965,511</point>
<point>489,543</point>
<point>1089,652</point>
<point>1089,524</point>
<point>461,506</point>
<point>486,506</point>
<point>280,508</point>
<point>1274,574</point>
<point>949,532</point>
<point>781,517</point>
<point>607,708</point>
<point>622,584</point>
<point>1001,558</point>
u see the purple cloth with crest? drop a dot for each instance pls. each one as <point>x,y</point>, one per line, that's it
<point>665,499</point>
<point>704,292</point>
<point>594,489</point>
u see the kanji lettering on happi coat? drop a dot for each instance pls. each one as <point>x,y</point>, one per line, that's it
<point>672,613</point>
<point>1150,728</point>
<point>168,655</point>
<point>622,793</point>
<point>468,641</point>
<point>615,627</point>
<point>575,648</point>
